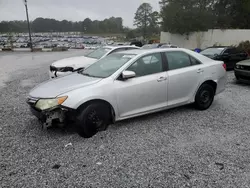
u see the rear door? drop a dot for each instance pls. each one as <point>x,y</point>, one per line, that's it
<point>184,76</point>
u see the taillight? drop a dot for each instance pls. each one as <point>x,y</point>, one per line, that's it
<point>224,66</point>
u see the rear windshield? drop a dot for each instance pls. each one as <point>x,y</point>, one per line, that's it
<point>212,51</point>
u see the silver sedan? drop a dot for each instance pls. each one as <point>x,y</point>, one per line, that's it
<point>128,84</point>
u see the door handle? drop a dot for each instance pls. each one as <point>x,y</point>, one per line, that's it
<point>200,71</point>
<point>161,79</point>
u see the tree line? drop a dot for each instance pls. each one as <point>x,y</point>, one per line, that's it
<point>110,25</point>
<point>175,16</point>
<point>183,17</point>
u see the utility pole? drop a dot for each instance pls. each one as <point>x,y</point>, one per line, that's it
<point>145,24</point>
<point>27,15</point>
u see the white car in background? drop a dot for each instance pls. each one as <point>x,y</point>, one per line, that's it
<point>168,46</point>
<point>69,65</point>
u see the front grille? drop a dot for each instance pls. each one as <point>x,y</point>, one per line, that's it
<point>245,67</point>
<point>61,69</point>
<point>244,77</point>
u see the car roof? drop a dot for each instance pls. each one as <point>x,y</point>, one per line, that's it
<point>120,46</point>
<point>141,51</point>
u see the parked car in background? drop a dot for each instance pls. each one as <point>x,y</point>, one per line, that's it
<point>168,46</point>
<point>158,45</point>
<point>69,65</point>
<point>242,70</point>
<point>230,55</point>
<point>128,84</point>
<point>152,46</point>
<point>137,43</point>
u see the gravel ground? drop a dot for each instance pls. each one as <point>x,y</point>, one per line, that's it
<point>181,147</point>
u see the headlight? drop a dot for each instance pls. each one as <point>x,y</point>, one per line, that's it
<point>237,66</point>
<point>44,104</point>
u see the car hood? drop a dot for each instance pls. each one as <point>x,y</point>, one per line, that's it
<point>245,62</point>
<point>58,86</point>
<point>75,62</point>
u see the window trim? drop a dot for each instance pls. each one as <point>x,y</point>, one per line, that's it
<point>191,64</point>
<point>114,50</point>
<point>124,49</point>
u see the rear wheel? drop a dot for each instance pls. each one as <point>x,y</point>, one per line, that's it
<point>204,97</point>
<point>92,118</point>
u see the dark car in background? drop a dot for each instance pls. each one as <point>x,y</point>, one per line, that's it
<point>242,70</point>
<point>136,43</point>
<point>230,55</point>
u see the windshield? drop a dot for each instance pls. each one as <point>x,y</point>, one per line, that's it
<point>212,51</point>
<point>97,54</point>
<point>108,65</point>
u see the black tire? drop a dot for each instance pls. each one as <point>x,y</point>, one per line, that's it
<point>92,118</point>
<point>204,97</point>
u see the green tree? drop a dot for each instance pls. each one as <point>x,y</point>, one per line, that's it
<point>110,25</point>
<point>154,23</point>
<point>183,17</point>
<point>131,34</point>
<point>233,14</point>
<point>142,17</point>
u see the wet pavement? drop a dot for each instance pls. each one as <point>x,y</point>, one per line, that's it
<point>181,147</point>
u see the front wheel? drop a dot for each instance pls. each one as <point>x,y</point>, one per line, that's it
<point>204,97</point>
<point>92,118</point>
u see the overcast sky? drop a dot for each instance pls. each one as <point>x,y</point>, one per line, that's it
<point>74,10</point>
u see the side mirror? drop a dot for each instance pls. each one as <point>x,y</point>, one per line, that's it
<point>128,74</point>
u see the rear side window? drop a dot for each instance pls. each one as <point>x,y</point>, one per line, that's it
<point>177,60</point>
<point>194,61</point>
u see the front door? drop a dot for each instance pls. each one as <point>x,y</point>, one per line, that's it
<point>145,92</point>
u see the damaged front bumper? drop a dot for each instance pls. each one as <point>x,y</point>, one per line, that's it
<point>49,117</point>
<point>56,115</point>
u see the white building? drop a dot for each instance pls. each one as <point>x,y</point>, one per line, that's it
<point>206,39</point>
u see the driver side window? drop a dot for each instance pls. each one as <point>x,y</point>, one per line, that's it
<point>147,65</point>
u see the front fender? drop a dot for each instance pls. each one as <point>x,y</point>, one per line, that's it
<point>80,96</point>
